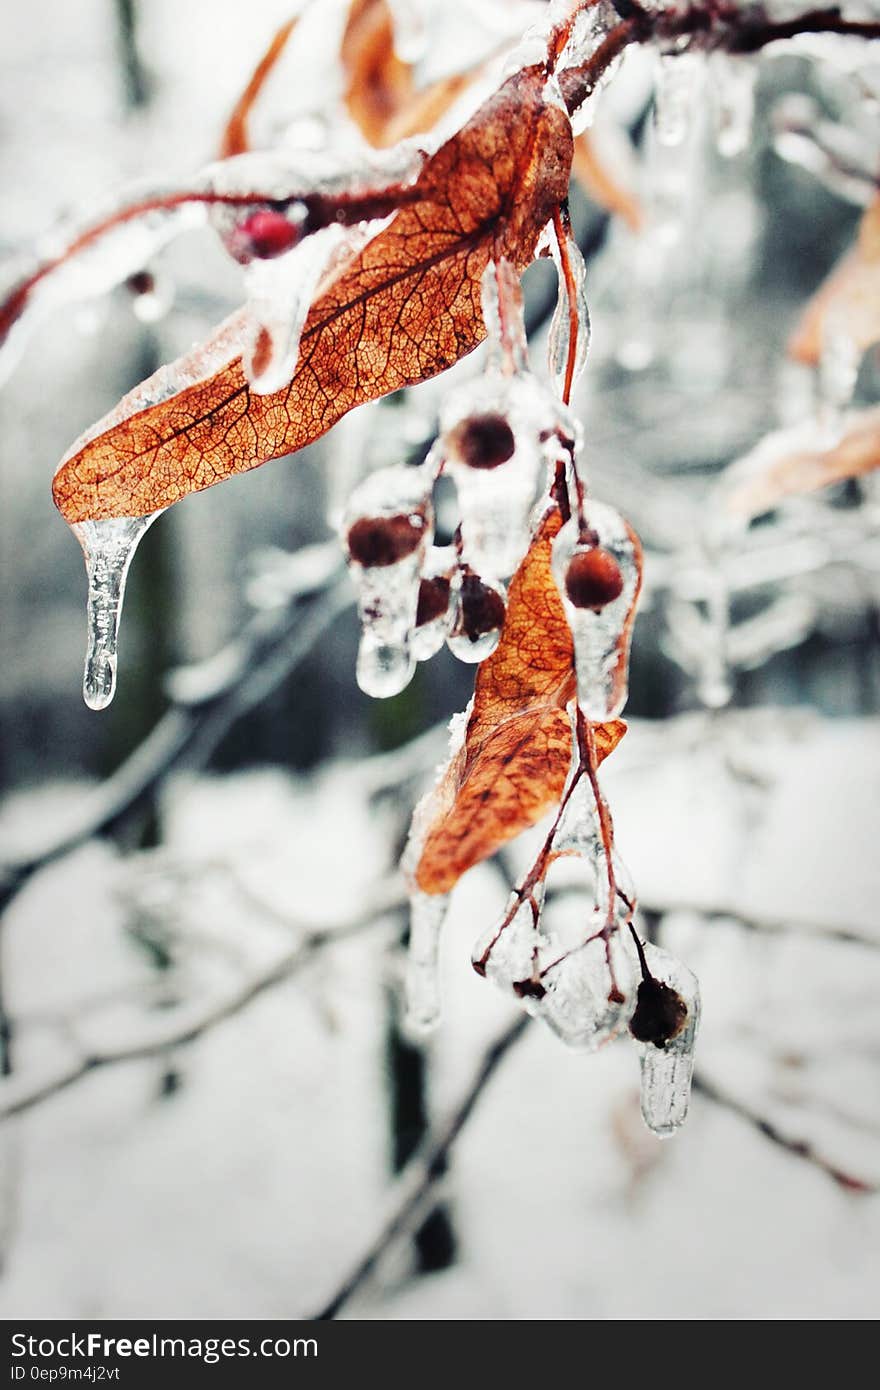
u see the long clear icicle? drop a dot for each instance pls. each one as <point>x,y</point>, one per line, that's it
<point>667,1070</point>
<point>602,634</point>
<point>108,547</point>
<point>421,984</point>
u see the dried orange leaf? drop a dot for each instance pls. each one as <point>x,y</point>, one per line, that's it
<point>381,95</point>
<point>784,467</point>
<point>404,309</point>
<point>512,766</point>
<point>236,139</point>
<point>848,303</point>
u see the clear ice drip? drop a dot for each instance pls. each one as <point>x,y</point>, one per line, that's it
<point>490,431</point>
<point>108,547</point>
<point>422,987</point>
<point>587,1001</point>
<point>601,637</point>
<point>666,1071</point>
<point>676,95</point>
<point>280,294</point>
<point>395,501</point>
<point>560,327</point>
<point>429,636</point>
<point>734,80</point>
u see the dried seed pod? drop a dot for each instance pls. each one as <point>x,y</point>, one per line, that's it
<point>481,440</point>
<point>593,578</point>
<point>378,541</point>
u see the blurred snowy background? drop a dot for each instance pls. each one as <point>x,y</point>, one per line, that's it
<point>205,1094</point>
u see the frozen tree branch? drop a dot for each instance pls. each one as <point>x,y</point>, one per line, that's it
<point>799,1147</point>
<point>197,1021</point>
<point>250,668</point>
<point>412,1192</point>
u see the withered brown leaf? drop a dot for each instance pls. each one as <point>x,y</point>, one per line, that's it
<point>848,302</point>
<point>404,309</point>
<point>236,136</point>
<point>769,475</point>
<point>512,766</point>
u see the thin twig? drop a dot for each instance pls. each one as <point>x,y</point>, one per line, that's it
<point>413,1190</point>
<point>199,1022</point>
<point>799,1147</point>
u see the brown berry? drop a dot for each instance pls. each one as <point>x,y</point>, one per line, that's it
<point>482,607</point>
<point>593,578</point>
<point>482,441</point>
<point>377,541</point>
<point>660,1013</point>
<point>433,600</point>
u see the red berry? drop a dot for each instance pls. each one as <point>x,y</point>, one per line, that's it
<point>433,600</point>
<point>482,607</point>
<point>377,541</point>
<point>481,441</point>
<point>593,578</point>
<point>265,234</point>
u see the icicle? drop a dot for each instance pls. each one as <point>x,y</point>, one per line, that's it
<point>667,1011</point>
<point>676,94</point>
<point>433,611</point>
<point>560,327</point>
<point>478,609</point>
<point>427,914</point>
<point>735,79</point>
<point>388,526</point>
<point>108,547</point>
<point>280,294</point>
<point>490,432</point>
<point>598,575</point>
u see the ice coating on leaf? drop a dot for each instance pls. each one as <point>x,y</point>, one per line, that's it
<point>676,93</point>
<point>422,987</point>
<point>667,1070</point>
<point>108,547</point>
<point>224,344</point>
<point>560,326</point>
<point>734,80</point>
<point>280,294</point>
<point>388,526</point>
<point>601,637</point>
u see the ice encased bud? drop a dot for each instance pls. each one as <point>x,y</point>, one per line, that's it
<point>387,528</point>
<point>601,634</point>
<point>666,1065</point>
<point>478,610</point>
<point>434,613</point>
<point>589,993</point>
